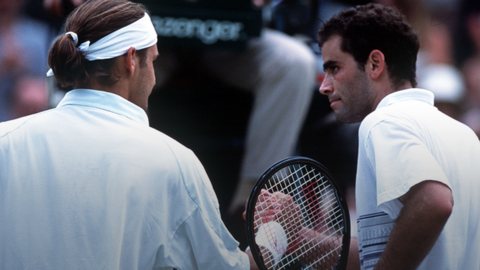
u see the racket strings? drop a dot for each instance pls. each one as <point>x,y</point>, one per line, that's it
<point>310,249</point>
<point>317,212</point>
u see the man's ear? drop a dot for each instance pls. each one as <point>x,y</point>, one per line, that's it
<point>130,64</point>
<point>375,64</point>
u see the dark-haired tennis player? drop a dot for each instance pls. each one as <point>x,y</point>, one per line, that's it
<point>418,174</point>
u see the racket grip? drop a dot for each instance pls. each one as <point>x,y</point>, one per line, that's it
<point>272,237</point>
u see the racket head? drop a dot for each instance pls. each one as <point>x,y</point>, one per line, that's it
<point>322,207</point>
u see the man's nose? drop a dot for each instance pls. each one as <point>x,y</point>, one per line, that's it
<point>326,87</point>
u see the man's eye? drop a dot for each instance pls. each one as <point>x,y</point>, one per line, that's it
<point>332,69</point>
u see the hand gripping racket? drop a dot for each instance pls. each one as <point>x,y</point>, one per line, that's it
<point>297,218</point>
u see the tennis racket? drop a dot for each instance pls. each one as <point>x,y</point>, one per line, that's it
<point>297,219</point>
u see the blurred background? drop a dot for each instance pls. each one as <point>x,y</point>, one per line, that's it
<point>237,81</point>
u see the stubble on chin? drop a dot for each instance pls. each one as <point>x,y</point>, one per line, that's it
<point>348,117</point>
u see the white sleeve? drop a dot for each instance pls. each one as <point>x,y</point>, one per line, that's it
<point>202,241</point>
<point>401,159</point>
<point>196,245</point>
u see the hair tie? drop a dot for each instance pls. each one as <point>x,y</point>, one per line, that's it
<point>74,37</point>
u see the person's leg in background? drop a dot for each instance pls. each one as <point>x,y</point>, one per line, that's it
<point>280,71</point>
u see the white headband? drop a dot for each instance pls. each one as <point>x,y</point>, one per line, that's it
<point>141,34</point>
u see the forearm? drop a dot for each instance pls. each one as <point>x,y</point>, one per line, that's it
<point>353,262</point>
<point>407,249</point>
<point>324,246</point>
<point>417,228</point>
<point>253,265</point>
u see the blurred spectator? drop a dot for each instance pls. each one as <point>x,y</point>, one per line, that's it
<point>471,68</point>
<point>30,96</point>
<point>446,83</point>
<point>60,8</point>
<point>23,61</point>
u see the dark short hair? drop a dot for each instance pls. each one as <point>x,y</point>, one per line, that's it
<point>91,21</point>
<point>374,26</point>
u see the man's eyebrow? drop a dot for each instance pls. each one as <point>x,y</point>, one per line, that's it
<point>328,64</point>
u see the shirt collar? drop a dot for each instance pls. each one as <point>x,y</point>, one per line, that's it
<point>105,101</point>
<point>407,95</point>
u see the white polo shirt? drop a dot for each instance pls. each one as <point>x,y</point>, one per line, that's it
<point>405,141</point>
<point>89,185</point>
